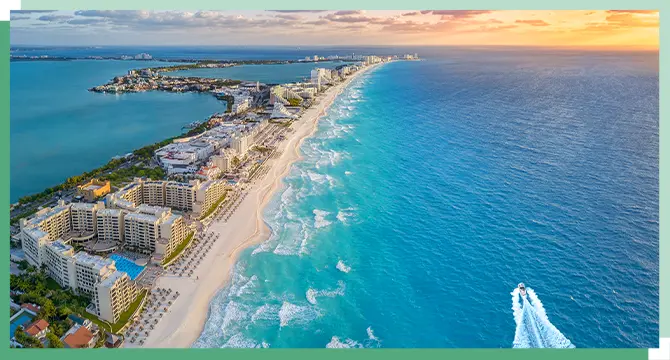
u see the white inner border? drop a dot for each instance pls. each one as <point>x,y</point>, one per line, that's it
<point>6,5</point>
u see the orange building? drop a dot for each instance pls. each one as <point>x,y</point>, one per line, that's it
<point>94,189</point>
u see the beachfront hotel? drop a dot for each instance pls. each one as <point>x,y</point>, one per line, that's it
<point>110,225</point>
<point>115,294</point>
<point>240,143</point>
<point>111,291</point>
<point>154,229</point>
<point>207,194</point>
<point>54,221</point>
<point>320,77</point>
<point>57,257</point>
<point>224,161</point>
<point>83,220</point>
<point>179,195</point>
<point>192,196</point>
<point>47,224</point>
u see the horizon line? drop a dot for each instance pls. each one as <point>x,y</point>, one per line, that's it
<point>580,47</point>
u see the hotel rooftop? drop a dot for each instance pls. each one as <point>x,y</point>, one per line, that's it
<point>113,212</point>
<point>94,261</point>
<point>60,246</point>
<point>111,279</point>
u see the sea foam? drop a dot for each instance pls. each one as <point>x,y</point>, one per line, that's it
<point>342,267</point>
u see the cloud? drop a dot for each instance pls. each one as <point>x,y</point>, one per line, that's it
<point>488,29</point>
<point>628,19</point>
<point>31,11</point>
<point>88,21</point>
<point>413,13</point>
<point>289,17</point>
<point>634,11</point>
<point>15,18</point>
<point>150,20</point>
<point>348,12</point>
<point>298,11</point>
<point>54,18</point>
<point>456,14</point>
<point>349,18</point>
<point>533,22</point>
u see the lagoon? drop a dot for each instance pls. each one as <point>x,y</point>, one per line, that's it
<point>59,129</point>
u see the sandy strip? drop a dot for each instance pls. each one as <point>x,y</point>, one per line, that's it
<point>185,319</point>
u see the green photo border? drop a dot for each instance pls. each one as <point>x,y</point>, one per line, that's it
<point>323,354</point>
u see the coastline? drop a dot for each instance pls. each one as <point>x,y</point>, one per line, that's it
<point>183,323</point>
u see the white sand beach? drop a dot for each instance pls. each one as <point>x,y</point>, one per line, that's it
<point>184,321</point>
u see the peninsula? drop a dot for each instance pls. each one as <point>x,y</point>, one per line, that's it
<point>159,248</point>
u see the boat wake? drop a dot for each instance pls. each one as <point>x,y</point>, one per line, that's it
<point>533,328</point>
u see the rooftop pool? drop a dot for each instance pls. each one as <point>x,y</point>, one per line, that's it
<point>127,265</point>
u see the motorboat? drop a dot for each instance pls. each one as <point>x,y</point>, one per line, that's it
<point>522,289</point>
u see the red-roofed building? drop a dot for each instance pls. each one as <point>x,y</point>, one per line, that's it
<point>37,328</point>
<point>30,307</point>
<point>78,337</point>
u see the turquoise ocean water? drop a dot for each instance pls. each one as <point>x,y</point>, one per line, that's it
<point>428,192</point>
<point>432,188</point>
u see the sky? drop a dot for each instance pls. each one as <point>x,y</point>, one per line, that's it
<point>564,28</point>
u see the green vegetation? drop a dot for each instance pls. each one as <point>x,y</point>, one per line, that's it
<point>123,319</point>
<point>52,284</point>
<point>213,207</point>
<point>100,342</point>
<point>147,152</point>
<point>102,324</point>
<point>23,265</point>
<point>106,172</point>
<point>11,312</point>
<point>229,99</point>
<point>26,340</point>
<point>235,162</point>
<point>73,181</point>
<point>179,249</point>
<point>56,303</point>
<point>261,149</point>
<point>127,174</point>
<point>15,220</point>
<point>54,341</point>
<point>294,102</point>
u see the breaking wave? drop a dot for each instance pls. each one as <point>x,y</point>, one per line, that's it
<point>312,294</point>
<point>343,267</point>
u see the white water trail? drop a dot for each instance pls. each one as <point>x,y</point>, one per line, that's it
<point>533,328</point>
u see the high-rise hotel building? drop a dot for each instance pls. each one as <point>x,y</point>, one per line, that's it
<point>189,196</point>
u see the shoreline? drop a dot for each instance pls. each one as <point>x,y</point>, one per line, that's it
<point>184,322</point>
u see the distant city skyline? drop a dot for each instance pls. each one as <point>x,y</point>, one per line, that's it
<point>573,28</point>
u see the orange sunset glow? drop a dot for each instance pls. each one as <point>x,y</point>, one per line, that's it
<point>560,28</point>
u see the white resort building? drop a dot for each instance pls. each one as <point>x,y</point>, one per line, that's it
<point>169,194</point>
<point>85,274</point>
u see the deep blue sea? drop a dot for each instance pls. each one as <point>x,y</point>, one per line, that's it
<point>430,190</point>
